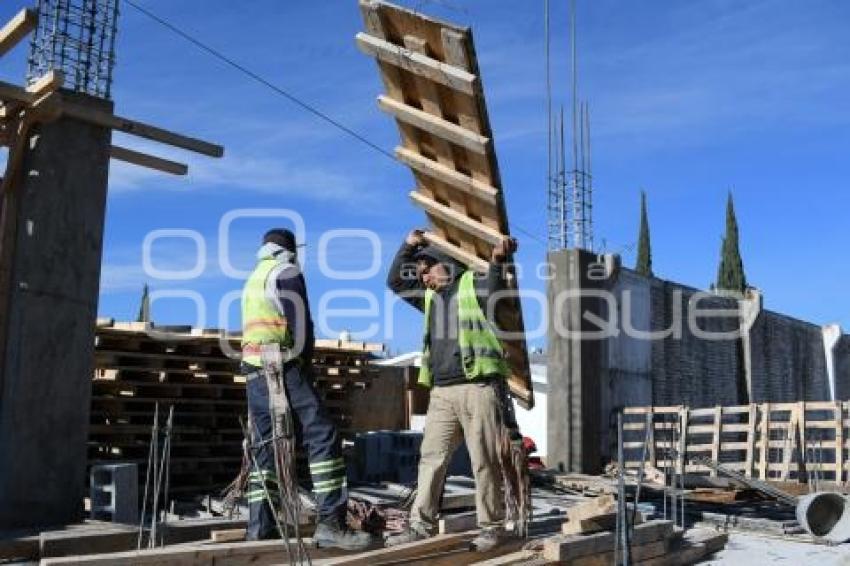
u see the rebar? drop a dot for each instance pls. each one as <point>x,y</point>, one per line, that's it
<point>76,37</point>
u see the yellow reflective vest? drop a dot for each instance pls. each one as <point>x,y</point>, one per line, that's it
<point>480,349</point>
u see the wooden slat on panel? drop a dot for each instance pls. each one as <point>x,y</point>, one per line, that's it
<point>417,63</point>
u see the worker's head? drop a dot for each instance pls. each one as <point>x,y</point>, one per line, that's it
<point>435,269</point>
<point>281,237</point>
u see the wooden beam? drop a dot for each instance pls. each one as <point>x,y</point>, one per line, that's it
<point>18,28</point>
<point>406,552</point>
<point>417,63</point>
<point>47,84</point>
<point>144,160</point>
<point>473,261</point>
<point>10,92</point>
<point>14,93</point>
<point>456,179</point>
<point>255,553</point>
<point>142,130</point>
<point>457,219</point>
<point>433,125</point>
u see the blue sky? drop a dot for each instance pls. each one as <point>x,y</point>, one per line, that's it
<point>688,101</point>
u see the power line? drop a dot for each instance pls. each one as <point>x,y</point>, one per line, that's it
<point>241,68</point>
<point>280,91</point>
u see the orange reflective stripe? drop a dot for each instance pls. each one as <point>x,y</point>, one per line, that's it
<point>271,324</point>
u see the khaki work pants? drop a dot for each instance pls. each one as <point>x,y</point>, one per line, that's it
<point>469,411</point>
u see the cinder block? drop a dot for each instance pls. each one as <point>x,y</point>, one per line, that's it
<point>115,493</point>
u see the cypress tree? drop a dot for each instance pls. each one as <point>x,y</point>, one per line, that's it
<point>644,253</point>
<point>730,274</point>
<point>145,307</point>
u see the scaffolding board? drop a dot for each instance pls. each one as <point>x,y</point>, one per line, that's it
<point>434,92</point>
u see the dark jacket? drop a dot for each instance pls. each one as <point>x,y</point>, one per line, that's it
<point>446,362</point>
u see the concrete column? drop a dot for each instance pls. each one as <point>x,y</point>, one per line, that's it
<point>48,355</point>
<point>831,336</point>
<point>575,362</point>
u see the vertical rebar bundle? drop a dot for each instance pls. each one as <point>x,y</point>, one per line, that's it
<point>570,193</point>
<point>76,37</point>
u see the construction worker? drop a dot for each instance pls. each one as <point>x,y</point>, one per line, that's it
<point>464,365</point>
<point>275,311</point>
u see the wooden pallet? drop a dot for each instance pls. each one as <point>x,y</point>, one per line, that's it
<point>768,441</point>
<point>434,92</point>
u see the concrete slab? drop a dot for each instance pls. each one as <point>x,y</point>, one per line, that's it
<point>750,549</point>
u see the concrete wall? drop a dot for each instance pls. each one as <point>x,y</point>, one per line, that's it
<point>49,354</point>
<point>788,360</point>
<point>667,344</point>
<point>841,355</point>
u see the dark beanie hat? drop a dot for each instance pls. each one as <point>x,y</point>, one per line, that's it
<point>282,237</point>
<point>432,254</point>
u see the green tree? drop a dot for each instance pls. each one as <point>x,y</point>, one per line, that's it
<point>730,275</point>
<point>145,307</point>
<point>644,253</point>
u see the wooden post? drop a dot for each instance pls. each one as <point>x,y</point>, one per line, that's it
<point>765,440</point>
<point>751,440</point>
<point>802,446</point>
<point>651,437</point>
<point>839,442</point>
<point>790,434</point>
<point>718,429</point>
<point>683,438</point>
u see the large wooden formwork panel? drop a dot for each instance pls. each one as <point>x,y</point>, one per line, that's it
<point>434,92</point>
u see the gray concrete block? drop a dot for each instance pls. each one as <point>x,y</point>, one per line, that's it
<point>114,493</point>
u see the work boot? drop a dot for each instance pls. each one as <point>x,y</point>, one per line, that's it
<point>488,539</point>
<point>332,532</point>
<point>414,532</point>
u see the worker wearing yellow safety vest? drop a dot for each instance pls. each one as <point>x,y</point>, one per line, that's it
<point>275,311</point>
<point>464,365</point>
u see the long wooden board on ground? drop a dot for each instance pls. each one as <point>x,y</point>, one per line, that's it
<point>433,90</point>
<point>257,553</point>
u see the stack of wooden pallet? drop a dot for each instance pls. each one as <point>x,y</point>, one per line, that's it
<point>139,366</point>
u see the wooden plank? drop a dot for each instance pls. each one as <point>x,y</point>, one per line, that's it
<point>839,442</point>
<point>435,126</point>
<point>405,552</point>
<point>716,434</point>
<point>142,130</point>
<point>107,120</point>
<point>683,438</point>
<point>566,548</point>
<point>47,84</point>
<point>446,175</point>
<point>473,261</point>
<point>417,63</point>
<point>16,29</point>
<point>10,92</point>
<point>228,535</point>
<point>512,559</point>
<point>149,161</point>
<point>457,219</point>
<point>764,409</point>
<point>638,555</point>
<point>260,553</point>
